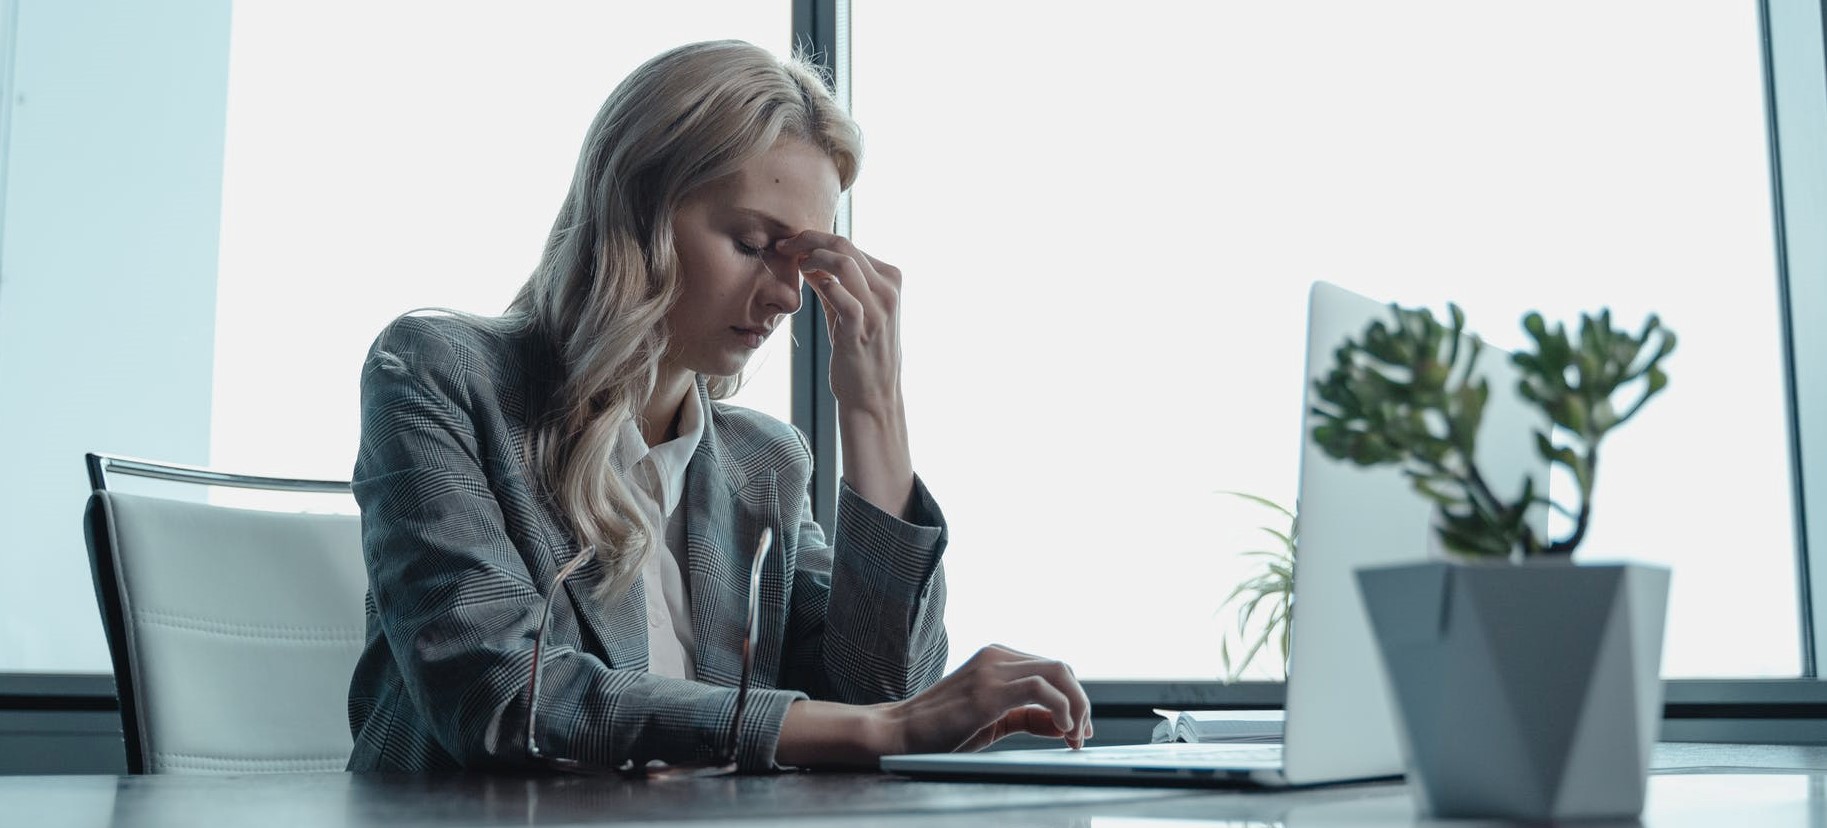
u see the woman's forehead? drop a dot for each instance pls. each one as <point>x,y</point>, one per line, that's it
<point>793,186</point>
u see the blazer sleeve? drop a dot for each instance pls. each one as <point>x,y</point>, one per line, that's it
<point>459,603</point>
<point>868,613</point>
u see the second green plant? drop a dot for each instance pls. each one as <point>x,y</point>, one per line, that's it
<point>1267,595</point>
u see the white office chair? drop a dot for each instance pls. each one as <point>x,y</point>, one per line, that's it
<point>233,631</point>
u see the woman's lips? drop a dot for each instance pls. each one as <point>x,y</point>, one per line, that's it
<point>752,337</point>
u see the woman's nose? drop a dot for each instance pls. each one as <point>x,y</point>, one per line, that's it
<point>782,291</point>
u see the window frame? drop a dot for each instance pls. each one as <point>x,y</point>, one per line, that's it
<point>1795,92</point>
<point>821,30</point>
<point>9,47</point>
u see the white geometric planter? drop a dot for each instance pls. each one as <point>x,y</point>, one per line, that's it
<point>1525,691</point>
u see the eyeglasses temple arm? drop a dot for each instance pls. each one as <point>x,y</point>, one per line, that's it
<point>750,630</point>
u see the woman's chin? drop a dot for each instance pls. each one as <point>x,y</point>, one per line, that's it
<point>726,365</point>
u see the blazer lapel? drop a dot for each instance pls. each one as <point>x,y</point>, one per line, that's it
<point>623,632</point>
<point>725,512</point>
<point>621,628</point>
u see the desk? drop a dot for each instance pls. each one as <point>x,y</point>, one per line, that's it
<point>1710,785</point>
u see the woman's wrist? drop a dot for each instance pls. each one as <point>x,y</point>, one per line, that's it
<point>888,408</point>
<point>877,462</point>
<point>821,733</point>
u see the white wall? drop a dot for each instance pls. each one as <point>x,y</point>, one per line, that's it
<point>113,182</point>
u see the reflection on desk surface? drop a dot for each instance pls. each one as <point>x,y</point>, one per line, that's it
<point>1765,785</point>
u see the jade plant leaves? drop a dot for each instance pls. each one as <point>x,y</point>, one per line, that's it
<point>1405,392</point>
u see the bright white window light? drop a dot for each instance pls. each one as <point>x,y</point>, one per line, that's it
<point>383,157</point>
<point>1108,223</point>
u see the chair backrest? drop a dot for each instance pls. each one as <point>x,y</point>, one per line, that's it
<point>233,631</point>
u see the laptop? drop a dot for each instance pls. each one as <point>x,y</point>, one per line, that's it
<point>1339,722</point>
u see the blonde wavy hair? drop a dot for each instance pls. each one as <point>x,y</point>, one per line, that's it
<point>596,304</point>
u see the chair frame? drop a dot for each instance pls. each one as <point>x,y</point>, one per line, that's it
<point>105,565</point>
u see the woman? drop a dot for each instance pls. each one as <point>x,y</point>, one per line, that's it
<point>584,422</point>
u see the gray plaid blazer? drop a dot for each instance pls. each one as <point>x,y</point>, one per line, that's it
<point>461,549</point>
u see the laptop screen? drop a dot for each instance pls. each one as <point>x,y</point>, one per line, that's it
<point>1340,723</point>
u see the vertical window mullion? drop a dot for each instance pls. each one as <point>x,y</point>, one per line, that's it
<point>821,30</point>
<point>1796,89</point>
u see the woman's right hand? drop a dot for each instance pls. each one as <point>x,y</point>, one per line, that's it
<point>998,692</point>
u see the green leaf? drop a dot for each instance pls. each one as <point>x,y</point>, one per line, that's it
<point>1537,328</point>
<point>1261,501</point>
<point>1284,539</point>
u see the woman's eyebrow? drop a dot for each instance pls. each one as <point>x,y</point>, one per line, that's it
<point>773,224</point>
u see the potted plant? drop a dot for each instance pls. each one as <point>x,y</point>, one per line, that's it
<point>1526,687</point>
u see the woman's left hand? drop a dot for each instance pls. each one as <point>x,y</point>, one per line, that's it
<point>861,296</point>
<point>862,299</point>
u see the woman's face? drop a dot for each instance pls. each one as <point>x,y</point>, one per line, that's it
<point>734,289</point>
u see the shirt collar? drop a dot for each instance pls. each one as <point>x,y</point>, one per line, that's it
<point>669,459</point>
<point>672,456</point>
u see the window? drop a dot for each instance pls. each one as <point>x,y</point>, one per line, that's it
<point>378,157</point>
<point>395,178</point>
<point>1114,214</point>
<point>1109,223</point>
